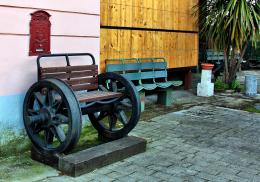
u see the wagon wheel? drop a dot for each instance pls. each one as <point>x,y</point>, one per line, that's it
<point>124,113</point>
<point>52,116</point>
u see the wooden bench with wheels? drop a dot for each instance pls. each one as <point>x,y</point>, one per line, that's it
<point>147,74</point>
<point>54,105</point>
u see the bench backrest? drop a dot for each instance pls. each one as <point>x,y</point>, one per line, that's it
<point>78,77</point>
<point>138,68</point>
<point>83,77</point>
<point>213,55</point>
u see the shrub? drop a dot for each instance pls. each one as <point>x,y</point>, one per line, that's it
<point>220,84</point>
<point>235,85</point>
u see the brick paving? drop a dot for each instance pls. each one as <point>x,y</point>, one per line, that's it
<point>203,143</point>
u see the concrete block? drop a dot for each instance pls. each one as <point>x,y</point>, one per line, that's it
<point>93,158</point>
<point>205,90</point>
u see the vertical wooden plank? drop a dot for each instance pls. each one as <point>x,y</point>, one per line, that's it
<point>137,43</point>
<point>181,14</point>
<point>126,15</point>
<point>158,14</point>
<point>113,43</point>
<point>138,14</point>
<point>168,14</point>
<point>173,50</point>
<point>104,13</point>
<point>125,43</point>
<point>103,48</point>
<point>148,18</point>
<point>148,44</point>
<point>178,50</point>
<point>175,14</point>
<point>196,50</point>
<point>161,44</point>
<point>114,12</point>
<point>166,45</point>
<point>148,4</point>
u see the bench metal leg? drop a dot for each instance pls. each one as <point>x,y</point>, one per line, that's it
<point>142,97</point>
<point>165,97</point>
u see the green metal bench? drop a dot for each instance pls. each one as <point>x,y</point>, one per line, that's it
<point>147,74</point>
<point>213,55</point>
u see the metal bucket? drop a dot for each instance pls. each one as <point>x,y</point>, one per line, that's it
<point>251,85</point>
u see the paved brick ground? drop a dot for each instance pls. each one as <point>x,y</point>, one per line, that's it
<point>203,143</point>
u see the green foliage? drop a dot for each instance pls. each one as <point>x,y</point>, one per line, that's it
<point>252,109</point>
<point>15,155</point>
<point>229,25</point>
<point>13,144</point>
<point>220,84</point>
<point>88,138</point>
<point>235,85</point>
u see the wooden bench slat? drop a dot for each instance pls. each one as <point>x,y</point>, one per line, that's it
<point>114,67</point>
<point>132,76</point>
<point>79,81</point>
<point>160,74</point>
<point>147,75</point>
<point>132,66</point>
<point>70,75</point>
<point>69,69</point>
<point>97,96</point>
<point>84,87</point>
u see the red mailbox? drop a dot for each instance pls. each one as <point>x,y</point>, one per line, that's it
<point>40,30</point>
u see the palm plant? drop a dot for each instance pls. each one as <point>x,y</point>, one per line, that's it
<point>229,25</point>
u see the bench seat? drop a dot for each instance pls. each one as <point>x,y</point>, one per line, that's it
<point>96,96</point>
<point>139,87</point>
<point>149,86</point>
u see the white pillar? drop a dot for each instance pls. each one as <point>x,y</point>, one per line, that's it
<point>205,88</point>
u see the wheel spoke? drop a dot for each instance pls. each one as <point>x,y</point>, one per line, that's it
<point>59,133</point>
<point>51,98</point>
<point>101,116</point>
<point>113,86</point>
<point>101,87</point>
<point>122,117</point>
<point>34,119</point>
<point>38,96</point>
<point>36,128</point>
<point>112,122</point>
<point>48,136</point>
<point>62,119</point>
<point>126,104</point>
<point>33,112</point>
<point>57,105</point>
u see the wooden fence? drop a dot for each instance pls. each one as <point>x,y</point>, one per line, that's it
<point>150,28</point>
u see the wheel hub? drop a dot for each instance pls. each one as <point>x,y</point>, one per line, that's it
<point>47,114</point>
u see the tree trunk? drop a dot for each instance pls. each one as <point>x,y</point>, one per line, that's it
<point>226,67</point>
<point>234,64</point>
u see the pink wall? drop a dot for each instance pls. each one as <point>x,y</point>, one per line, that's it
<point>75,28</point>
<point>82,6</point>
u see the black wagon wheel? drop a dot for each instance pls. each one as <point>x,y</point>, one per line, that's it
<point>52,116</point>
<point>124,113</point>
